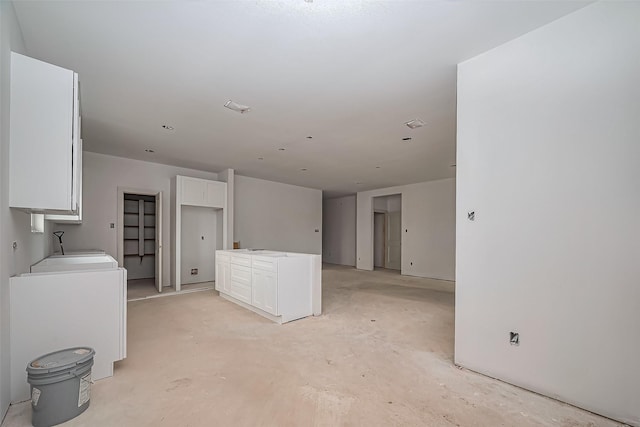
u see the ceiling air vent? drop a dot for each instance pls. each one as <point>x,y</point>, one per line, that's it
<point>237,107</point>
<point>416,123</point>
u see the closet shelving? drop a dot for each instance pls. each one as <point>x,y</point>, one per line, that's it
<point>139,226</point>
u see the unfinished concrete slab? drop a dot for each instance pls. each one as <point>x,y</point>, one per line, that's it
<point>380,355</point>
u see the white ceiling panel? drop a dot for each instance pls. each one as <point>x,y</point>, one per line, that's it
<point>347,73</point>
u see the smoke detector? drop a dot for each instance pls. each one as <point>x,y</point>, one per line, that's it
<point>415,123</point>
<point>237,107</point>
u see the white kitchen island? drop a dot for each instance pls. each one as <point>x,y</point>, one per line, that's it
<point>281,286</point>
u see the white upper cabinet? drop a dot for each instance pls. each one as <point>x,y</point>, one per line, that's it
<point>44,137</point>
<point>77,217</point>
<point>202,192</point>
<point>216,194</point>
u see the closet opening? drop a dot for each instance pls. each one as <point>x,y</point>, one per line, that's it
<point>140,241</point>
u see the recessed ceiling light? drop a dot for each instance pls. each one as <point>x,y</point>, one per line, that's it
<point>377,167</point>
<point>415,123</point>
<point>149,150</point>
<point>281,149</point>
<point>358,183</point>
<point>167,127</point>
<point>309,137</point>
<point>237,107</point>
<point>303,169</point>
<point>407,139</point>
<point>260,158</point>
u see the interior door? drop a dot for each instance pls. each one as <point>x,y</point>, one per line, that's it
<point>394,234</point>
<point>159,241</point>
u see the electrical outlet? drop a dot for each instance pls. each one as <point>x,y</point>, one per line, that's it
<point>194,271</point>
<point>14,245</point>
<point>514,338</point>
<point>112,225</point>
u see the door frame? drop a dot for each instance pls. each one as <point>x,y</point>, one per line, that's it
<point>371,201</point>
<point>385,220</point>
<point>120,228</point>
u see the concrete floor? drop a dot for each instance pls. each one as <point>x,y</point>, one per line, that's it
<point>380,355</point>
<point>146,288</point>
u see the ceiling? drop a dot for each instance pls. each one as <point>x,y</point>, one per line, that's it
<point>349,74</point>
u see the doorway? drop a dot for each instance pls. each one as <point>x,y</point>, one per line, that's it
<point>379,240</point>
<point>140,241</point>
<point>201,234</point>
<point>387,232</point>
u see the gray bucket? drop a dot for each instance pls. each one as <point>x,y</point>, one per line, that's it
<point>60,385</point>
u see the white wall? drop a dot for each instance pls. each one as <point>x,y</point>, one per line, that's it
<point>339,230</point>
<point>14,225</point>
<point>428,228</point>
<point>549,159</point>
<point>277,216</point>
<point>102,175</point>
<point>199,239</point>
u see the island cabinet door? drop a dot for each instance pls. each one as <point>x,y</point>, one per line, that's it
<point>222,276</point>
<point>226,278</point>
<point>265,291</point>
<point>271,293</point>
<point>240,283</point>
<point>257,288</point>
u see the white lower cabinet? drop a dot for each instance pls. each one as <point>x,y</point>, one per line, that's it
<point>264,292</point>
<point>223,271</point>
<point>240,283</point>
<point>280,286</point>
<point>61,307</point>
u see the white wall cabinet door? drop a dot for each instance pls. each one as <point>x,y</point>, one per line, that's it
<point>216,196</point>
<point>44,137</point>
<point>201,192</point>
<point>193,192</point>
<point>77,217</point>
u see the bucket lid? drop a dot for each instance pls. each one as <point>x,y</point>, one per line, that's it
<point>60,360</point>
